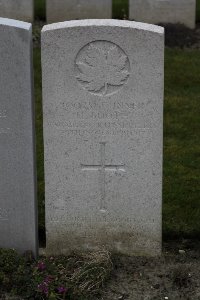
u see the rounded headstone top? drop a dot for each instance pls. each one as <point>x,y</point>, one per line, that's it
<point>15,23</point>
<point>106,23</point>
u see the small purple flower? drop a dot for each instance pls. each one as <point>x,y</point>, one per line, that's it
<point>48,279</point>
<point>62,290</point>
<point>43,287</point>
<point>41,266</point>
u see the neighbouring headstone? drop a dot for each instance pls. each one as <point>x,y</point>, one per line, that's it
<point>103,130</point>
<point>63,10</point>
<point>163,11</point>
<point>18,217</point>
<point>17,9</point>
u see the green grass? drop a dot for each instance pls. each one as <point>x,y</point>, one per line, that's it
<point>39,137</point>
<point>181,190</point>
<point>181,213</point>
<point>198,11</point>
<point>40,9</point>
<point>120,9</point>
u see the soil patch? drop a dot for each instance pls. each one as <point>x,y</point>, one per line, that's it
<point>175,275</point>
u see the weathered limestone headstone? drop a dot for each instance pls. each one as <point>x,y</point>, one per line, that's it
<point>18,224</point>
<point>62,10</point>
<point>163,11</point>
<point>103,128</point>
<point>17,9</point>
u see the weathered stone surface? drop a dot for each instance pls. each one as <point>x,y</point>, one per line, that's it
<point>17,9</point>
<point>103,128</point>
<point>17,177</point>
<point>163,11</point>
<point>62,10</point>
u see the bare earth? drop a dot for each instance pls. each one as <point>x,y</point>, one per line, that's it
<point>175,275</point>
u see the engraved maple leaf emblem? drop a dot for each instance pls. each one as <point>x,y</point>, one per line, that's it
<point>102,69</point>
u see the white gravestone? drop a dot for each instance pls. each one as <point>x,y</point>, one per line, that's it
<point>17,9</point>
<point>18,223</point>
<point>62,10</point>
<point>103,129</point>
<point>163,11</point>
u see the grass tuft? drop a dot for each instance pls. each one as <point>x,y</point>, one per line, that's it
<point>91,272</point>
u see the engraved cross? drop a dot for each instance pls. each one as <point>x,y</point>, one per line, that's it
<point>102,168</point>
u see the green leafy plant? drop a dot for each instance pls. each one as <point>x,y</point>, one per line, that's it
<point>54,277</point>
